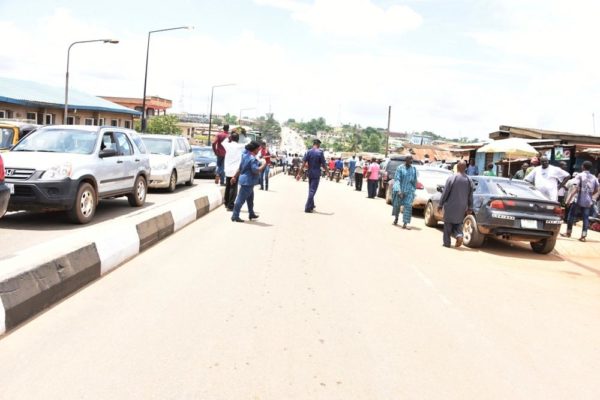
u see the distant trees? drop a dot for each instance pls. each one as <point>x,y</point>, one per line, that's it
<point>230,119</point>
<point>269,127</point>
<point>161,125</point>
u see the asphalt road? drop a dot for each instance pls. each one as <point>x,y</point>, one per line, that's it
<point>339,304</point>
<point>20,230</point>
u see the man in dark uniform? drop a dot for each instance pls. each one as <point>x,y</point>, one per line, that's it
<point>313,161</point>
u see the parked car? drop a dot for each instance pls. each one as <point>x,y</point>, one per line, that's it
<point>388,170</point>
<point>205,161</point>
<point>5,190</point>
<point>507,209</point>
<point>12,131</point>
<point>71,167</point>
<point>428,181</point>
<point>171,161</point>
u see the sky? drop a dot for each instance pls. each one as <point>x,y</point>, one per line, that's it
<point>454,67</point>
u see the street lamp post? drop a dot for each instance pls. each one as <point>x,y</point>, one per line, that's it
<point>244,109</point>
<point>143,123</point>
<point>212,93</point>
<point>112,41</point>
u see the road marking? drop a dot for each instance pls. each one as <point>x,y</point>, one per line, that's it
<point>429,283</point>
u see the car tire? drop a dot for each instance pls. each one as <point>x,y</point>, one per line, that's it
<point>192,176</point>
<point>471,235</point>
<point>137,198</point>
<point>430,220</point>
<point>172,182</point>
<point>84,206</point>
<point>544,246</point>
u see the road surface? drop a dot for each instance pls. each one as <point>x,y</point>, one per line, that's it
<point>339,304</point>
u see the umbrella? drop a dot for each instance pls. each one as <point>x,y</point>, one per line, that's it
<point>513,148</point>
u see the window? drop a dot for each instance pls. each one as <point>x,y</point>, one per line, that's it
<point>125,147</point>
<point>89,121</point>
<point>2,114</point>
<point>48,119</point>
<point>70,120</point>
<point>32,116</point>
<point>100,121</point>
<point>184,145</point>
<point>114,122</point>
<point>108,142</point>
<point>128,124</point>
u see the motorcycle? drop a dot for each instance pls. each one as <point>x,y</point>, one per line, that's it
<point>337,175</point>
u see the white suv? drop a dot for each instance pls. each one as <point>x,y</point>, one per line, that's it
<point>171,161</point>
<point>71,167</point>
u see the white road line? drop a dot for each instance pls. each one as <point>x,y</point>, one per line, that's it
<point>429,283</point>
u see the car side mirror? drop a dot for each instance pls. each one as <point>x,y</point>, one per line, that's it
<point>107,153</point>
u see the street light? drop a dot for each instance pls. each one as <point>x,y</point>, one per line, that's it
<point>112,41</point>
<point>146,72</point>
<point>244,109</point>
<point>212,92</point>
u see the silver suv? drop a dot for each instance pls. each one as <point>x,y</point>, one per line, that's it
<point>72,167</point>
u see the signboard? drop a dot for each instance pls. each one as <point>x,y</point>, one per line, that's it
<point>558,153</point>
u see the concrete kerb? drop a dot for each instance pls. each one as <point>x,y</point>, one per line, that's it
<point>43,275</point>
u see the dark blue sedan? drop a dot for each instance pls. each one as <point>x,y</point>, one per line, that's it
<point>205,161</point>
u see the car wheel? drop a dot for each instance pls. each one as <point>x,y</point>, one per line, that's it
<point>430,216</point>
<point>471,235</point>
<point>138,197</point>
<point>544,246</point>
<point>192,175</point>
<point>172,181</point>
<point>84,206</point>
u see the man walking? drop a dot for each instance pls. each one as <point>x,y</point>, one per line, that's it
<point>233,156</point>
<point>217,146</point>
<point>358,173</point>
<point>351,168</point>
<point>403,192</point>
<point>313,161</point>
<point>264,176</point>
<point>587,188</point>
<point>457,202</point>
<point>372,179</point>
<point>548,178</point>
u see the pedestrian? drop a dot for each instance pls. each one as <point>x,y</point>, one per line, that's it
<point>233,157</point>
<point>313,161</point>
<point>520,174</point>
<point>372,178</point>
<point>264,176</point>
<point>547,179</point>
<point>457,203</point>
<point>534,163</point>
<point>331,167</point>
<point>248,174</point>
<point>489,170</point>
<point>403,191</point>
<point>295,165</point>
<point>587,188</point>
<point>285,161</point>
<point>217,146</point>
<point>358,173</point>
<point>562,191</point>
<point>351,169</point>
<point>472,170</point>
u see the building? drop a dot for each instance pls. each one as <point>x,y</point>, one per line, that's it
<point>154,105</point>
<point>43,104</point>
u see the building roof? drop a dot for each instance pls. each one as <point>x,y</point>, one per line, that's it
<point>506,131</point>
<point>35,94</point>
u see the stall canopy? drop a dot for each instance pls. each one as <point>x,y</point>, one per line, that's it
<point>512,148</point>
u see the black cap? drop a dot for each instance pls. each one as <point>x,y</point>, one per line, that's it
<point>317,141</point>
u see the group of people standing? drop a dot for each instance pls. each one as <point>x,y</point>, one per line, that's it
<point>240,167</point>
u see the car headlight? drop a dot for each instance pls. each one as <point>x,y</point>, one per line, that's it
<point>61,171</point>
<point>212,164</point>
<point>159,166</point>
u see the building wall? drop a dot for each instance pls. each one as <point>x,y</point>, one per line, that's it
<point>54,115</point>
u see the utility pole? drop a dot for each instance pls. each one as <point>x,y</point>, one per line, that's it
<point>594,122</point>
<point>387,138</point>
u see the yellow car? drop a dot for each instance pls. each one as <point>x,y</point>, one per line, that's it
<point>11,132</point>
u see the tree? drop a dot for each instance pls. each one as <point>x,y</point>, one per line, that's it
<point>161,125</point>
<point>373,144</point>
<point>230,119</point>
<point>269,127</point>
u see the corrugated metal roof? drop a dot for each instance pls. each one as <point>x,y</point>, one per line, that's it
<point>29,93</point>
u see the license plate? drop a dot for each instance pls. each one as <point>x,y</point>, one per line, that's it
<point>11,188</point>
<point>197,169</point>
<point>529,224</point>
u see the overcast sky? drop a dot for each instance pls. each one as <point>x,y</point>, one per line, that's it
<point>455,67</point>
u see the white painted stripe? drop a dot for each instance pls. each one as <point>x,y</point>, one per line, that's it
<point>117,246</point>
<point>184,212</point>
<point>429,283</point>
<point>215,198</point>
<point>2,318</point>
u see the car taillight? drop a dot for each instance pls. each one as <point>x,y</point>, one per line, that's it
<point>497,204</point>
<point>1,169</point>
<point>558,211</point>
<point>420,186</point>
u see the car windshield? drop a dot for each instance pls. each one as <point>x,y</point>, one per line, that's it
<point>158,146</point>
<point>6,137</point>
<point>203,153</point>
<point>72,141</point>
<point>515,189</point>
<point>392,165</point>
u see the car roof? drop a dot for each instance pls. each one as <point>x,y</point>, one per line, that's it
<point>434,169</point>
<point>201,147</point>
<point>159,136</point>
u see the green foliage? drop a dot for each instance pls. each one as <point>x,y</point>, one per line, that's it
<point>230,119</point>
<point>160,125</point>
<point>313,126</point>
<point>269,127</point>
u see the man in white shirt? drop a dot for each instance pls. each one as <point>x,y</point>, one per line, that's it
<point>233,157</point>
<point>547,179</point>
